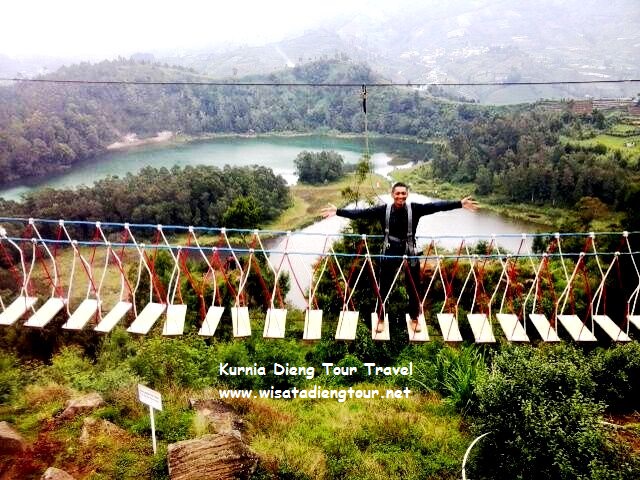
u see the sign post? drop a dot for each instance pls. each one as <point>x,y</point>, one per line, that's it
<point>154,400</point>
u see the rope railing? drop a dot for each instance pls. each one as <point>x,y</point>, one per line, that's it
<point>481,283</point>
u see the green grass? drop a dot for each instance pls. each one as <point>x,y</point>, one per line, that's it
<point>308,200</point>
<point>415,438</point>
<point>421,180</point>
<point>631,153</point>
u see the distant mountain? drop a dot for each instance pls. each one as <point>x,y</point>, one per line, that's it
<point>29,67</point>
<point>479,41</point>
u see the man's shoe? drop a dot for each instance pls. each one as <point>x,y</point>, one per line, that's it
<point>416,325</point>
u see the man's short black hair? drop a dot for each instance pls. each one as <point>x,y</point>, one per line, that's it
<point>399,184</point>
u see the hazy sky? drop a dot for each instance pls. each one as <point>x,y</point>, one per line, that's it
<point>121,27</point>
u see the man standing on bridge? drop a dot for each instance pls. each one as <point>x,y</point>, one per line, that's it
<point>399,221</point>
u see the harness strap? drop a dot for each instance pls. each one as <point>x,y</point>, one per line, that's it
<point>387,216</point>
<point>411,245</point>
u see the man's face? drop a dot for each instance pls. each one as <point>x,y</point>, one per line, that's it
<point>399,195</point>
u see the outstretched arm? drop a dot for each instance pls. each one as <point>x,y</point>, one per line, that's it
<point>373,213</point>
<point>469,203</point>
<point>328,211</point>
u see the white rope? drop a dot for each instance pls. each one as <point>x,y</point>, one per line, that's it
<point>56,279</point>
<point>376,284</point>
<point>76,255</point>
<point>564,268</point>
<point>535,283</point>
<point>503,274</point>
<point>565,293</point>
<point>140,249</point>
<point>353,289</point>
<point>600,290</point>
<point>243,276</point>
<point>466,454</point>
<point>472,271</point>
<point>116,257</point>
<point>444,286</point>
<point>435,273</point>
<point>636,292</point>
<point>25,276</point>
<point>313,289</point>
<point>276,271</point>
<point>344,280</point>
<point>174,280</point>
<point>210,269</point>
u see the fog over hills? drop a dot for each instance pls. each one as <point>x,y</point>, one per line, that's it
<point>431,41</point>
<point>471,41</point>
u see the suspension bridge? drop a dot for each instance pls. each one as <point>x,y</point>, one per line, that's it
<point>98,275</point>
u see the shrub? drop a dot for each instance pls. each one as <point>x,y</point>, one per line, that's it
<point>616,372</point>
<point>538,406</point>
<point>185,361</point>
<point>320,167</point>
<point>284,352</point>
<point>9,377</point>
<point>457,372</point>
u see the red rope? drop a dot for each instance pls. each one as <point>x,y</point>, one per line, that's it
<point>199,290</point>
<point>313,274</point>
<point>11,266</point>
<point>481,295</point>
<point>334,275</point>
<point>449,283</point>
<point>155,281</point>
<point>514,286</point>
<point>216,262</point>
<point>87,271</point>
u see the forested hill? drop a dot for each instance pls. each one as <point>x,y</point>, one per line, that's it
<point>48,127</point>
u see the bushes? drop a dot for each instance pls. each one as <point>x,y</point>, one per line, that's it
<point>616,372</point>
<point>185,362</point>
<point>9,377</point>
<point>453,373</point>
<point>540,408</point>
<point>321,167</point>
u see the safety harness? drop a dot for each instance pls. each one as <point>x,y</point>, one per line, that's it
<point>410,248</point>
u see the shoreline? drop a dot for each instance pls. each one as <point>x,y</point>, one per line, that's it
<point>132,140</point>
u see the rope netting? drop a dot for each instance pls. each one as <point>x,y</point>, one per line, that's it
<point>579,280</point>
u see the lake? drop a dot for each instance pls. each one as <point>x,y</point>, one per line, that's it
<point>272,151</point>
<point>279,154</point>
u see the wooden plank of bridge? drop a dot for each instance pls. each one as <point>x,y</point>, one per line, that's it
<point>174,323</point>
<point>17,309</point>
<point>241,322</point>
<point>275,323</point>
<point>578,330</point>
<point>481,327</point>
<point>544,328</point>
<point>512,328</point>
<point>347,325</point>
<point>81,316</point>
<point>422,335</point>
<point>312,325</point>
<point>384,334</point>
<point>634,319</point>
<point>611,329</point>
<point>449,327</point>
<point>211,321</point>
<point>112,318</point>
<point>147,318</point>
<point>46,313</point>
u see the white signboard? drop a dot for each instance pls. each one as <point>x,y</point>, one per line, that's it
<point>150,397</point>
<point>154,400</point>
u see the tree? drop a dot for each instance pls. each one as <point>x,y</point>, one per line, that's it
<point>321,167</point>
<point>244,212</point>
